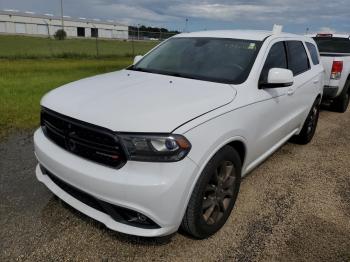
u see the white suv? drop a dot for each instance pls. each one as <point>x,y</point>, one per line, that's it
<point>165,142</point>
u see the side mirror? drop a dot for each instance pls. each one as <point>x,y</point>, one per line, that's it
<point>137,59</point>
<point>278,77</point>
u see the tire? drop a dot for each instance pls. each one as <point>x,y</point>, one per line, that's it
<point>341,103</point>
<point>214,194</point>
<point>309,127</point>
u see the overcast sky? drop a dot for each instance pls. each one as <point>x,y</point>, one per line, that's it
<point>295,15</point>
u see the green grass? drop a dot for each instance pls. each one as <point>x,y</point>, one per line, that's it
<point>31,66</point>
<point>24,82</point>
<point>19,47</point>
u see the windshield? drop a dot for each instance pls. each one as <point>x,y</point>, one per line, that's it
<point>211,59</point>
<point>333,44</point>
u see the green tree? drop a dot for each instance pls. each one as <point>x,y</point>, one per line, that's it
<point>60,34</point>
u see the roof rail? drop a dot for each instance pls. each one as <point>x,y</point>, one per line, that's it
<point>277,29</point>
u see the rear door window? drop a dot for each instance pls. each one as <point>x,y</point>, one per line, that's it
<point>298,60</point>
<point>313,52</point>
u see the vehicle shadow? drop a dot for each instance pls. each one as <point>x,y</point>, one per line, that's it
<point>326,106</point>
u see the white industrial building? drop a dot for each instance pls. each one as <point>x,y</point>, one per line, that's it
<point>29,23</point>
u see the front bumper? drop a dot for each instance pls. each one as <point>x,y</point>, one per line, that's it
<point>159,191</point>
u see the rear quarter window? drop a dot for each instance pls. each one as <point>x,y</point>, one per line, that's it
<point>313,52</point>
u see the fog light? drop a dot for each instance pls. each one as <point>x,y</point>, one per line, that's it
<point>139,218</point>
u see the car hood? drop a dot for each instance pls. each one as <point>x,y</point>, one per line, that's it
<point>131,101</point>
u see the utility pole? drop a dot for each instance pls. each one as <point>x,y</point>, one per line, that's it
<point>62,14</point>
<point>96,40</point>
<point>48,34</point>
<point>48,28</point>
<point>138,31</point>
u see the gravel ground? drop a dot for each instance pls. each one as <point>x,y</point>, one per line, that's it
<point>294,207</point>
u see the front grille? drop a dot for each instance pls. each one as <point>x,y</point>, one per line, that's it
<point>83,139</point>
<point>119,214</point>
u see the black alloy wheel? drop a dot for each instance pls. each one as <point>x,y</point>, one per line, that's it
<point>309,128</point>
<point>219,193</point>
<point>214,195</point>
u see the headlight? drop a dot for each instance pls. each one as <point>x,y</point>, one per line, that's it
<point>157,148</point>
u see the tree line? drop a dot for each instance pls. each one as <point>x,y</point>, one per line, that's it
<point>150,32</point>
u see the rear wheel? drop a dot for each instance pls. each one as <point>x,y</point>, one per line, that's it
<point>341,103</point>
<point>309,127</point>
<point>214,195</point>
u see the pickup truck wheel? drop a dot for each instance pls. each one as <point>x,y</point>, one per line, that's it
<point>309,127</point>
<point>214,195</point>
<point>341,103</point>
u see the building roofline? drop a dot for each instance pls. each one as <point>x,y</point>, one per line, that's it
<point>55,17</point>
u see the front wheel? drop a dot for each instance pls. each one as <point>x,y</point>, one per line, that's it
<point>214,195</point>
<point>309,127</point>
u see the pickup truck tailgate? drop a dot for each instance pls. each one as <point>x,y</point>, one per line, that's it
<point>327,62</point>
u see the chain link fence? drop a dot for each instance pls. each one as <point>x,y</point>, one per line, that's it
<point>149,36</point>
<point>126,43</point>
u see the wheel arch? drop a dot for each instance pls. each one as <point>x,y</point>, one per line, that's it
<point>240,147</point>
<point>318,98</point>
<point>236,142</point>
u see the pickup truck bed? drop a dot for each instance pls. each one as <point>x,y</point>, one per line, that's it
<point>334,87</point>
<point>335,57</point>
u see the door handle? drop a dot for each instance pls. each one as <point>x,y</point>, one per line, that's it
<point>290,92</point>
<point>316,81</point>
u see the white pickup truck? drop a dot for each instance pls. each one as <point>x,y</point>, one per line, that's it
<point>335,57</point>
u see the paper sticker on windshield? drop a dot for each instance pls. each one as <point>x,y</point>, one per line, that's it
<point>251,46</point>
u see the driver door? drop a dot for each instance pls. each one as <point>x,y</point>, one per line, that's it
<point>275,104</point>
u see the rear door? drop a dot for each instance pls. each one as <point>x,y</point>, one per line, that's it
<point>317,66</point>
<point>301,93</point>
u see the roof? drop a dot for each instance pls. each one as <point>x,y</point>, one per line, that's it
<point>257,35</point>
<point>55,17</point>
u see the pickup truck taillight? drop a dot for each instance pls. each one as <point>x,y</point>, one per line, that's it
<point>337,68</point>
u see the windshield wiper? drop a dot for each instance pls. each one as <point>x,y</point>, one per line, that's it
<point>139,69</point>
<point>180,75</point>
